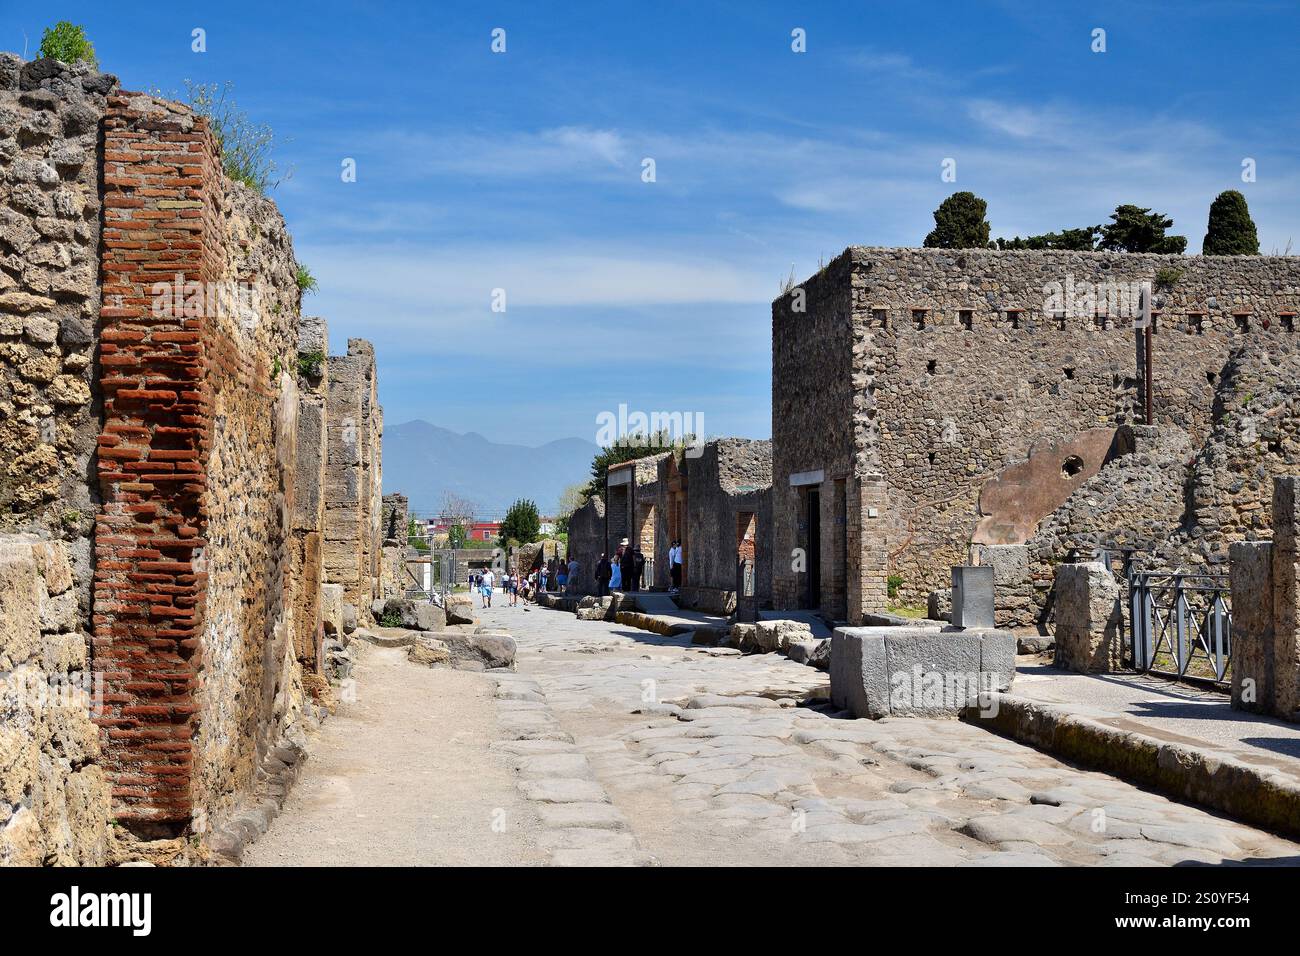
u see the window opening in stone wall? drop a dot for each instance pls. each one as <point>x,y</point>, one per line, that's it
<point>880,317</point>
<point>918,318</point>
<point>1288,321</point>
<point>1072,465</point>
<point>967,319</point>
<point>1242,321</point>
<point>1195,323</point>
<point>1013,318</point>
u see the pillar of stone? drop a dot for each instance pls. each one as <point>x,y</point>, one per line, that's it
<point>308,515</point>
<point>1285,651</point>
<point>393,578</point>
<point>353,511</point>
<point>1089,619</point>
<point>1251,572</point>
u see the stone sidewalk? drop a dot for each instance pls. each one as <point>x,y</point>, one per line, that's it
<point>1179,713</point>
<point>658,752</point>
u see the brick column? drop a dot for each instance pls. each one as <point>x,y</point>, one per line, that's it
<point>162,197</point>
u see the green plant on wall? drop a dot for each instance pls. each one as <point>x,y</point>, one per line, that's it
<point>1168,277</point>
<point>311,364</point>
<point>245,146</point>
<point>67,42</point>
<point>892,584</point>
<point>306,281</point>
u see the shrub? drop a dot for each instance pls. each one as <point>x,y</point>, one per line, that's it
<point>892,584</point>
<point>245,146</point>
<point>67,42</point>
<point>306,281</point>
<point>1167,277</point>
<point>311,364</point>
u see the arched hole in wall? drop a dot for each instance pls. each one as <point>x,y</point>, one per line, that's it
<point>1069,372</point>
<point>1072,465</point>
<point>1210,376</point>
<point>931,366</point>
<point>967,317</point>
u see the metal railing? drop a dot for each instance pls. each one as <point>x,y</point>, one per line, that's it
<point>1181,625</point>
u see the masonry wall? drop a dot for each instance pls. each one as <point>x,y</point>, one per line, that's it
<point>394,521</point>
<point>308,515</point>
<point>731,478</point>
<point>819,372</point>
<point>958,372</point>
<point>54,799</point>
<point>587,543</point>
<point>49,303</point>
<point>168,420</point>
<point>353,508</point>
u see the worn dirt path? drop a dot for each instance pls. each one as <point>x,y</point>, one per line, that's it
<point>405,776</point>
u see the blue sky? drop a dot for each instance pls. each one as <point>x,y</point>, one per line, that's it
<point>522,170</point>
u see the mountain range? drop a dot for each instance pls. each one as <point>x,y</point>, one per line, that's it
<point>422,461</point>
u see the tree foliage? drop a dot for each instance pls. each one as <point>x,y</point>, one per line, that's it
<point>1135,229</point>
<point>67,42</point>
<point>959,223</point>
<point>522,523</point>
<point>1083,239</point>
<point>1231,231</point>
<point>628,448</point>
<point>572,498</point>
<point>415,536</point>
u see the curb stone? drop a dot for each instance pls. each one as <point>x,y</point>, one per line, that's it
<point>1213,779</point>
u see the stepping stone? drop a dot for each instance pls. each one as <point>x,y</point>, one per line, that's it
<point>562,790</point>
<point>603,816</point>
<point>573,765</point>
<point>997,828</point>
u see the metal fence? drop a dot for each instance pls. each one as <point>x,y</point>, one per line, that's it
<point>1181,625</point>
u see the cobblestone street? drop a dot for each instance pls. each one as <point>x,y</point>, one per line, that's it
<point>631,748</point>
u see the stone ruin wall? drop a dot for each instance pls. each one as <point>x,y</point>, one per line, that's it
<point>819,370</point>
<point>944,401</point>
<point>587,542</point>
<point>394,533</point>
<point>353,505</point>
<point>194,555</point>
<point>732,476</point>
<point>54,798</point>
<point>307,520</point>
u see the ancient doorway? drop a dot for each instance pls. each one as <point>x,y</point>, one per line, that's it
<point>644,538</point>
<point>813,542</point>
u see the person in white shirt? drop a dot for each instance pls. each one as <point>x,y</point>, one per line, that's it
<point>675,565</point>
<point>488,582</point>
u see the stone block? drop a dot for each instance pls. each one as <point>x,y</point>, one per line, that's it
<point>972,596</point>
<point>21,596</point>
<point>917,671</point>
<point>932,675</point>
<point>460,609</point>
<point>331,601</point>
<point>1251,576</point>
<point>938,606</point>
<point>1089,619</point>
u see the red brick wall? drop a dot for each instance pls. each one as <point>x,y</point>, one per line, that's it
<point>162,195</point>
